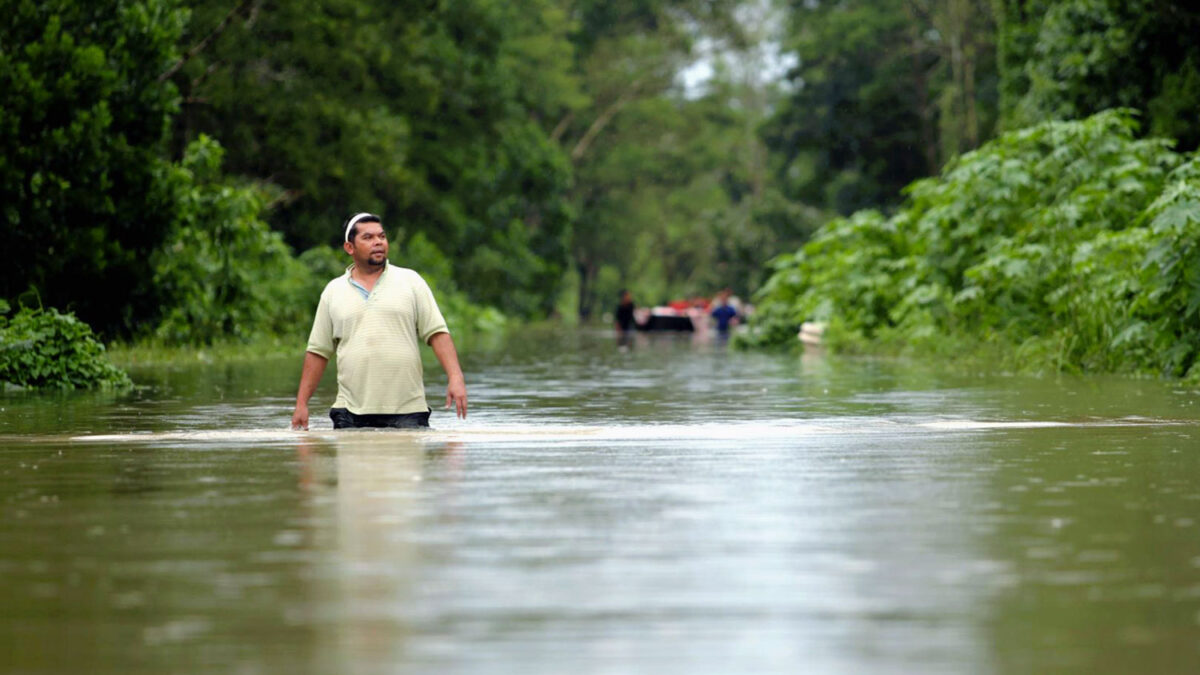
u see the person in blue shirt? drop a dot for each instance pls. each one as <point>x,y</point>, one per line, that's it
<point>724,313</point>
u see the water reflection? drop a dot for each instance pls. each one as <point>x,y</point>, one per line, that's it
<point>367,502</point>
<point>377,482</point>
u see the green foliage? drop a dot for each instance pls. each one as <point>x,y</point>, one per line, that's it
<point>43,348</point>
<point>1067,59</point>
<point>222,272</point>
<point>885,91</point>
<point>82,122</point>
<point>513,146</point>
<point>674,200</point>
<point>654,204</point>
<point>466,125</point>
<point>432,115</point>
<point>464,316</point>
<point>461,313</point>
<point>1074,243</point>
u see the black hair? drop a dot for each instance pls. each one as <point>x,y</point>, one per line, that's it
<point>369,218</point>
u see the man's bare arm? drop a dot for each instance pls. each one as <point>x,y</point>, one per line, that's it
<point>456,387</point>
<point>310,377</point>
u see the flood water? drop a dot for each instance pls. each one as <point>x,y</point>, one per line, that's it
<point>672,508</point>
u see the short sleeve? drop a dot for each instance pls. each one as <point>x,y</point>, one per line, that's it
<point>320,338</point>
<point>429,317</point>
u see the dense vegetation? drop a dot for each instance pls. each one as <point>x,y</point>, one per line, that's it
<point>178,170</point>
<point>1073,241</point>
<point>163,161</point>
<point>45,348</point>
<point>885,92</point>
<point>1065,244</point>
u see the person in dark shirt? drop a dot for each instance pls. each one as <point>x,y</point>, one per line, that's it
<point>624,314</point>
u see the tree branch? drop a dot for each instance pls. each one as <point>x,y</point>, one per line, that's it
<point>212,68</point>
<point>203,44</point>
<point>602,121</point>
<point>561,127</point>
<point>252,15</point>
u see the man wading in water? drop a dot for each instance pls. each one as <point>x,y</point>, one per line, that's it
<point>374,318</point>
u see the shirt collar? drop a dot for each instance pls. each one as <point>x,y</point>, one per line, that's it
<point>386,267</point>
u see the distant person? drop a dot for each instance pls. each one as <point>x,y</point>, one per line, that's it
<point>374,318</point>
<point>736,303</point>
<point>724,313</point>
<point>624,320</point>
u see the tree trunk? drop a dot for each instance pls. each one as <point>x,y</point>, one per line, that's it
<point>972,110</point>
<point>925,109</point>
<point>587,279</point>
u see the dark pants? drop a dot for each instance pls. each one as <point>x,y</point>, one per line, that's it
<point>344,419</point>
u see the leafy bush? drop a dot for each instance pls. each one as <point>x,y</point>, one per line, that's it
<point>222,272</point>
<point>461,314</point>
<point>1073,243</point>
<point>1067,59</point>
<point>47,349</point>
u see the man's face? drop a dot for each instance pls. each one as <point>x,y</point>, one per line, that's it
<point>369,248</point>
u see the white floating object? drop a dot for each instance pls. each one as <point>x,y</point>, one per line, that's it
<point>811,332</point>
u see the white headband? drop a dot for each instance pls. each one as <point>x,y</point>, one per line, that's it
<point>353,222</point>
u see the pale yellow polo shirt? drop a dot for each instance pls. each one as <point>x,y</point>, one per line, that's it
<point>377,340</point>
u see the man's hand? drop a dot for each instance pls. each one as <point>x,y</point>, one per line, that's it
<point>456,395</point>
<point>310,375</point>
<point>456,390</point>
<point>300,417</point>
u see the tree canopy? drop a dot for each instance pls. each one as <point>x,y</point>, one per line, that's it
<point>83,131</point>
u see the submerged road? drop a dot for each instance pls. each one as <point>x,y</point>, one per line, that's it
<point>671,508</point>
